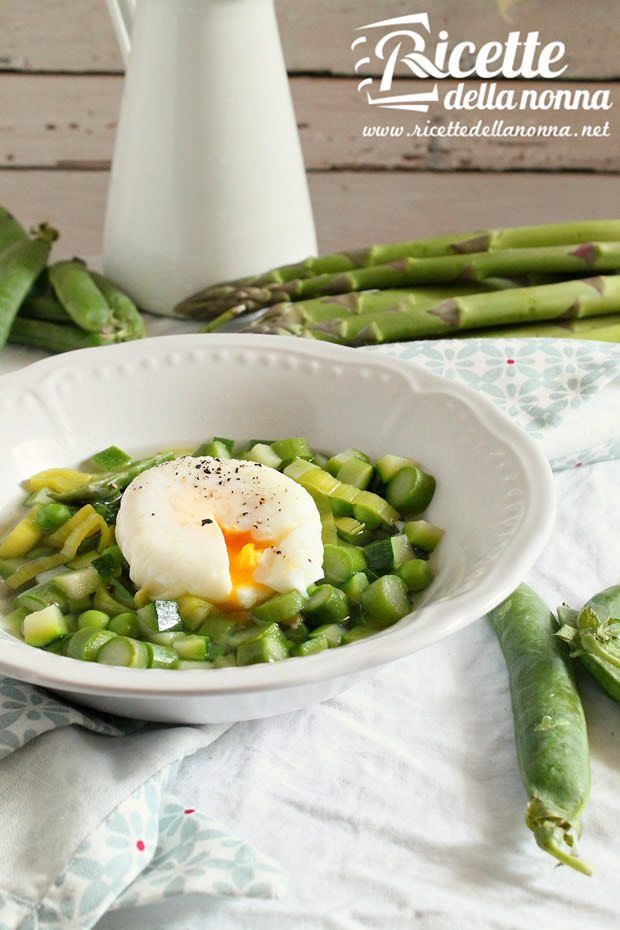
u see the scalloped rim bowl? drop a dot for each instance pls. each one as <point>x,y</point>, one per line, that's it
<point>495,496</point>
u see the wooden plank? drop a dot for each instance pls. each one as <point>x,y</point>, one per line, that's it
<point>351,208</point>
<point>62,35</point>
<point>67,121</point>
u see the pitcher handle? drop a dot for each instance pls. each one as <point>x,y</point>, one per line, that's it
<point>122,14</point>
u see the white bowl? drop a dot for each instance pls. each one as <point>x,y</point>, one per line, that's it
<point>495,496</point>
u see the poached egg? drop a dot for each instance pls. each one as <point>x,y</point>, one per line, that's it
<point>232,532</point>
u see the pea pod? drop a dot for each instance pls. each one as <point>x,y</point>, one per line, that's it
<point>53,337</point>
<point>44,307</point>
<point>607,675</point>
<point>20,266</point>
<point>11,230</point>
<point>80,296</point>
<point>550,728</point>
<point>126,315</point>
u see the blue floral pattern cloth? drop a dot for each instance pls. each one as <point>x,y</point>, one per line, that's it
<point>150,846</point>
<point>539,383</point>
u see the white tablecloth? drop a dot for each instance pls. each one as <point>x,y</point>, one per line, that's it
<point>399,804</point>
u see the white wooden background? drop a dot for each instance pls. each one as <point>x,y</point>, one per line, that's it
<point>61,83</point>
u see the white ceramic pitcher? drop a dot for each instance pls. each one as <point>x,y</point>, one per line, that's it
<point>208,181</point>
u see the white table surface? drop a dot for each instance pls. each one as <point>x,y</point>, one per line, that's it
<point>399,804</point>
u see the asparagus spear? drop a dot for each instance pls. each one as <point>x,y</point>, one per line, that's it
<point>574,259</point>
<point>567,300</point>
<point>293,316</point>
<point>478,241</point>
<point>600,329</point>
<point>108,487</point>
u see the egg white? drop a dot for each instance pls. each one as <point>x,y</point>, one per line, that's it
<point>179,525</point>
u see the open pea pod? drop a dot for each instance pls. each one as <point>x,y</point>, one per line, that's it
<point>598,627</point>
<point>607,675</point>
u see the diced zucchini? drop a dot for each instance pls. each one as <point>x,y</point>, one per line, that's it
<point>191,646</point>
<point>125,624</point>
<point>298,633</point>
<point>423,535</point>
<point>110,563</point>
<point>373,510</point>
<point>332,632</point>
<point>160,617</point>
<point>111,459</point>
<point>342,499</point>
<point>341,562</point>
<point>216,448</point>
<point>163,639</point>
<point>59,646</point>
<point>356,633</point>
<point>78,584</point>
<point>335,463</point>
<point>86,643</point>
<point>326,605</point>
<point>269,645</point>
<point>387,554</point>
<point>79,606</point>
<point>356,473</point>
<point>122,650</point>
<point>352,531</point>
<point>44,626</point>
<point>263,455</point>
<point>226,661</point>
<point>220,629</point>
<point>311,646</point>
<point>289,449</point>
<point>411,490</point>
<point>104,600</point>
<point>194,611</point>
<point>161,656</point>
<point>417,574</point>
<point>108,509</point>
<point>40,596</point>
<point>355,587</point>
<point>279,608</point>
<point>318,481</point>
<point>388,466</point>
<point>385,601</point>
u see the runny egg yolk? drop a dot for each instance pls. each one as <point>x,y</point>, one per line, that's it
<point>244,553</point>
